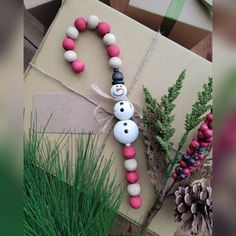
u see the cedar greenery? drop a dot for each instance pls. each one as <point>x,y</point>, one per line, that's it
<point>67,191</point>
<point>158,131</point>
<point>163,124</point>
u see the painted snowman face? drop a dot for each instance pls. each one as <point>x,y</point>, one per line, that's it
<point>123,110</point>
<point>118,91</point>
<point>126,131</point>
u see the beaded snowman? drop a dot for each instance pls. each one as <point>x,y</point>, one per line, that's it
<point>126,130</point>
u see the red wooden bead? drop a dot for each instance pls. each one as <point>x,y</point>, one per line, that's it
<point>135,202</point>
<point>132,177</point>
<point>210,125</point>
<point>200,157</point>
<point>81,24</point>
<point>77,66</point>
<point>103,28</point>
<point>204,144</point>
<point>128,152</point>
<point>183,164</point>
<point>200,134</point>
<point>68,44</point>
<point>209,117</point>
<point>113,51</point>
<point>190,152</point>
<point>208,133</point>
<point>210,140</point>
<point>186,171</point>
<point>204,127</point>
<point>174,175</point>
<point>194,144</point>
<point>197,164</point>
<point>190,169</point>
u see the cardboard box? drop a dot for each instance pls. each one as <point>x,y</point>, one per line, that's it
<point>193,24</point>
<point>43,10</point>
<point>51,78</point>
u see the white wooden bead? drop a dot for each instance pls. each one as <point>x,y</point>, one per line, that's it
<point>134,189</point>
<point>115,62</point>
<point>72,32</point>
<point>126,131</point>
<point>109,39</point>
<point>70,56</point>
<point>130,165</point>
<point>123,110</point>
<point>92,22</point>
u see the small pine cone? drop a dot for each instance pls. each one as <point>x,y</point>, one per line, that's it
<point>194,208</point>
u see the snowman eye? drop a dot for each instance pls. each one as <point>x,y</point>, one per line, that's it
<point>125,124</point>
<point>126,131</point>
<point>122,109</point>
<point>121,103</point>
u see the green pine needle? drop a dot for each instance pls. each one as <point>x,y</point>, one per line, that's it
<point>67,191</point>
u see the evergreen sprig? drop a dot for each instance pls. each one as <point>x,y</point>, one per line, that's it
<point>162,113</point>
<point>199,108</point>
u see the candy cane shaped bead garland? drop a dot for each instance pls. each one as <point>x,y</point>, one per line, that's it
<point>125,130</point>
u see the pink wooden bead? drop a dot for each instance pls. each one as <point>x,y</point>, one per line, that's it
<point>200,134</point>
<point>210,125</point>
<point>204,144</point>
<point>190,152</point>
<point>186,171</point>
<point>135,202</point>
<point>209,117</point>
<point>132,177</point>
<point>190,168</point>
<point>200,157</point>
<point>81,24</point>
<point>77,66</point>
<point>103,28</point>
<point>183,164</point>
<point>113,51</point>
<point>194,144</point>
<point>204,127</point>
<point>68,44</point>
<point>197,164</point>
<point>208,133</point>
<point>128,152</point>
<point>174,175</point>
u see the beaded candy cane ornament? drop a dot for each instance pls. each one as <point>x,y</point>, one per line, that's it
<point>126,130</point>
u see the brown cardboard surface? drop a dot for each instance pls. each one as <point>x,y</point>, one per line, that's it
<point>164,65</point>
<point>193,24</point>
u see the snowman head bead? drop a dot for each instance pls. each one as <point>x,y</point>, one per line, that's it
<point>123,110</point>
<point>126,131</point>
<point>118,91</point>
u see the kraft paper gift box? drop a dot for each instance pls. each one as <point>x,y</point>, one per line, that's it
<point>148,59</point>
<point>193,24</point>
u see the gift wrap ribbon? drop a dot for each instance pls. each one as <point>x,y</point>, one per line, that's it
<point>172,14</point>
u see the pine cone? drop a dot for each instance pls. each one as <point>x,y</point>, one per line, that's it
<point>194,208</point>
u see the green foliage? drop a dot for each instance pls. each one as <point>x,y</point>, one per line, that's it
<point>67,191</point>
<point>200,107</point>
<point>161,114</point>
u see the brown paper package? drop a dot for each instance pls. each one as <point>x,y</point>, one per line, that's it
<point>166,61</point>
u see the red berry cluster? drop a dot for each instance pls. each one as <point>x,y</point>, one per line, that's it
<point>196,150</point>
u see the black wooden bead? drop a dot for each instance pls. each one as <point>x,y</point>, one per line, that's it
<point>118,82</point>
<point>117,76</point>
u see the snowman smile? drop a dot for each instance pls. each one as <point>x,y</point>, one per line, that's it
<point>120,94</point>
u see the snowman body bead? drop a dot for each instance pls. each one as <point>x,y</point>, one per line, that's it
<point>123,110</point>
<point>126,131</point>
